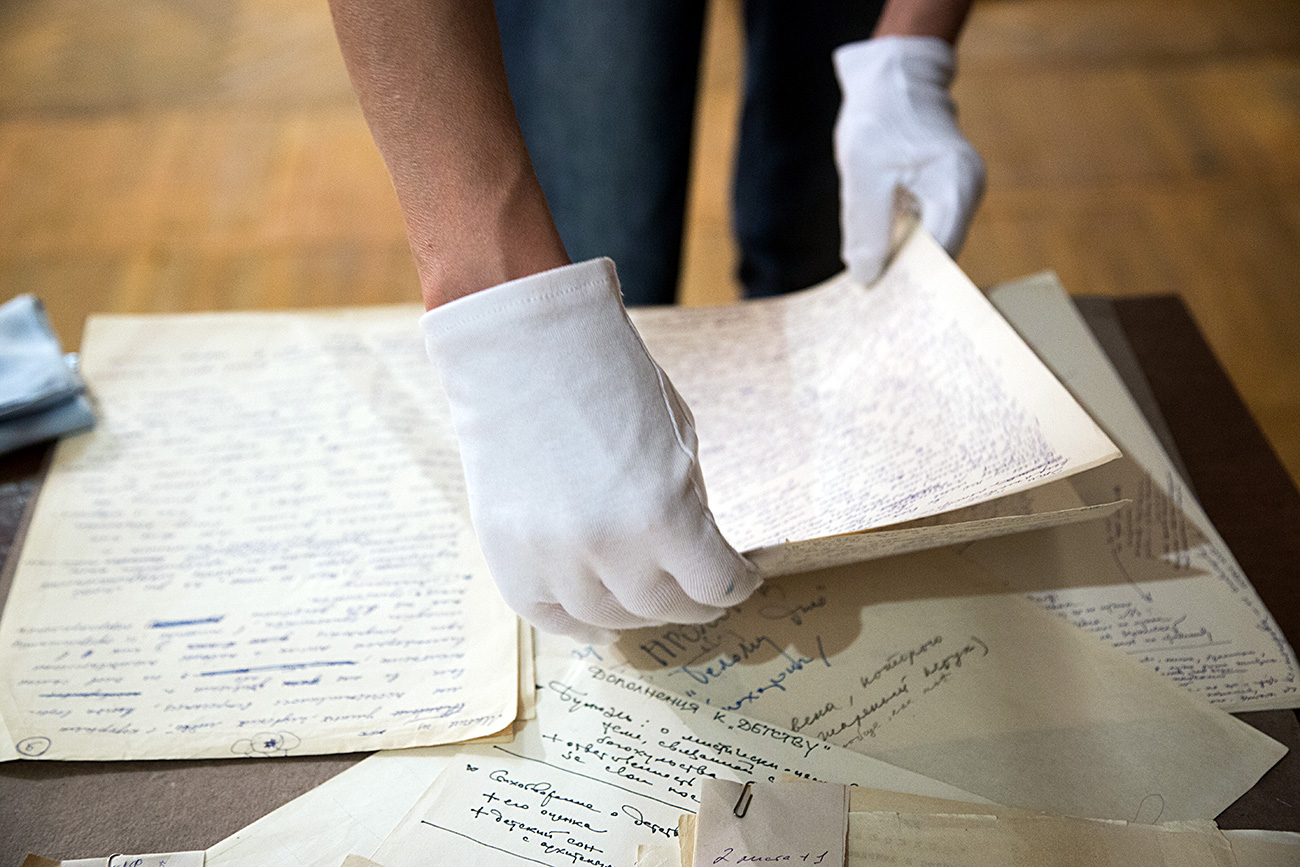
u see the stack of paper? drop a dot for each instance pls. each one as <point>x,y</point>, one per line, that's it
<point>611,762</point>
<point>1155,579</point>
<point>887,828</point>
<point>264,549</point>
<point>838,410</point>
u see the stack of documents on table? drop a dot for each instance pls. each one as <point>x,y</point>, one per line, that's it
<point>885,827</point>
<point>910,409</point>
<point>611,762</point>
<point>265,548</point>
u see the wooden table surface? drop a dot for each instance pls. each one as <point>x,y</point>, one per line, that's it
<point>83,809</point>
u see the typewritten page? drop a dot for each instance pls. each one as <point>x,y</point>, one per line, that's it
<point>263,549</point>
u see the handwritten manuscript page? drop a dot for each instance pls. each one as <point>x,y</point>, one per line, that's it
<point>927,662</point>
<point>356,810</point>
<point>263,549</point>
<point>1154,579</point>
<point>840,408</point>
<point>609,764</point>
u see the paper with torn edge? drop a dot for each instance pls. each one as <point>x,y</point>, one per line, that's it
<point>1155,579</point>
<point>800,823</point>
<point>262,550</point>
<point>610,763</point>
<point>926,662</point>
<point>841,409</point>
<point>353,812</point>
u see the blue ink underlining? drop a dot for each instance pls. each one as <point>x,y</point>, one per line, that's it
<point>288,666</point>
<point>168,624</point>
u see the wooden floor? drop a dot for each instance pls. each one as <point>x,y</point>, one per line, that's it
<point>164,155</point>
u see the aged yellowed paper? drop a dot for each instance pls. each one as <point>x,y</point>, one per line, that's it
<point>844,408</point>
<point>261,550</point>
<point>928,662</point>
<point>1153,579</point>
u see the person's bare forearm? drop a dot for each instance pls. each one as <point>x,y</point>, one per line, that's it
<point>433,88</point>
<point>941,18</point>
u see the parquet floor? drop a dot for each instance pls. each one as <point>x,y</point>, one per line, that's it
<point>163,155</point>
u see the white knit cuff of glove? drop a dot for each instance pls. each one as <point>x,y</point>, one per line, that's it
<point>580,459</point>
<point>898,127</point>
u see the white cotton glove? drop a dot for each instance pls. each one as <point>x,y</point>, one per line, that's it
<point>580,459</point>
<point>898,127</point>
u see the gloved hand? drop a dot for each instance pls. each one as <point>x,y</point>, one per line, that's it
<point>580,459</point>
<point>898,127</point>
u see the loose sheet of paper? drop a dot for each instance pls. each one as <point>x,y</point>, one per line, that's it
<point>1053,505</point>
<point>353,812</point>
<point>888,827</point>
<point>795,823</point>
<point>841,408</point>
<point>1155,579</point>
<point>929,663</point>
<point>165,859</point>
<point>609,764</point>
<point>350,813</point>
<point>986,841</point>
<point>1264,848</point>
<point>263,549</point>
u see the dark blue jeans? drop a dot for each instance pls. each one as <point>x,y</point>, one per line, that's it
<point>605,92</point>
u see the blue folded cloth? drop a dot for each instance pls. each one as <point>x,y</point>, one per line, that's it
<point>41,395</point>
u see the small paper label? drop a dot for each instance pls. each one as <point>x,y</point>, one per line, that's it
<point>800,824</point>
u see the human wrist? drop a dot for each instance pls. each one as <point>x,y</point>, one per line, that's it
<point>941,19</point>
<point>489,242</point>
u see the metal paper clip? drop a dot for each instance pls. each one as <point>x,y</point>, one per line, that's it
<point>109,863</point>
<point>742,803</point>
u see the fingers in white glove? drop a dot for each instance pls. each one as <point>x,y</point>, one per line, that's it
<point>949,190</point>
<point>580,458</point>
<point>553,618</point>
<point>898,127</point>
